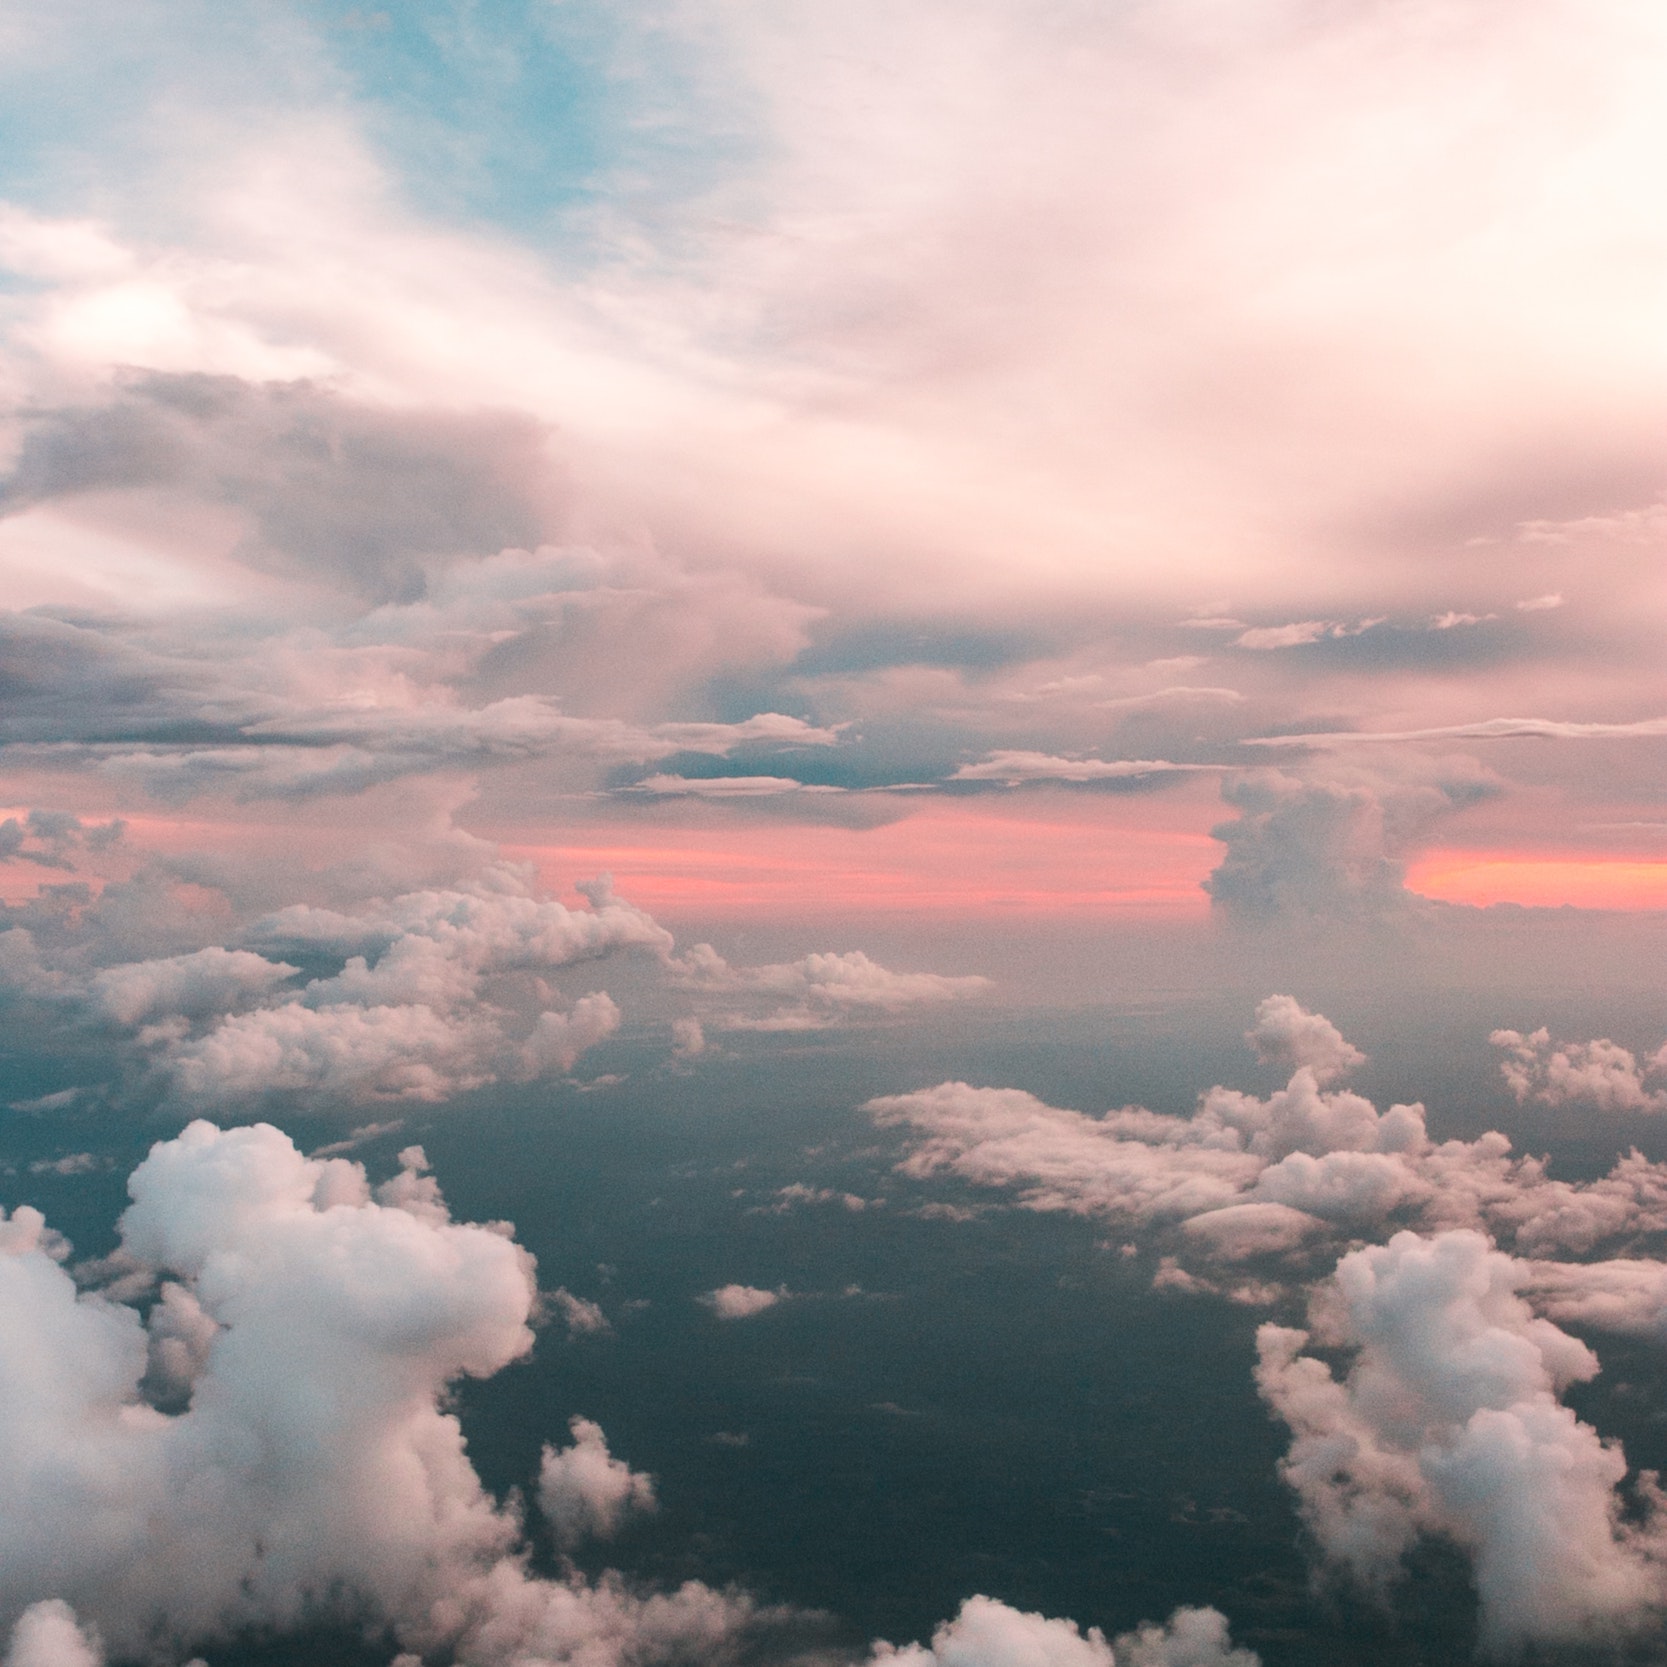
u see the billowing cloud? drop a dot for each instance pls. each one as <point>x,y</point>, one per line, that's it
<point>1599,1073</point>
<point>47,1634</point>
<point>1299,1172</point>
<point>1448,1422</point>
<point>1286,1033</point>
<point>1329,845</point>
<point>307,1360</point>
<point>988,1633</point>
<point>585,1492</point>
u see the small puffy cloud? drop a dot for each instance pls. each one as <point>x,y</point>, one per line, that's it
<point>741,1302</point>
<point>1449,1422</point>
<point>688,1039</point>
<point>586,1493</point>
<point>1293,635</point>
<point>818,989</point>
<point>353,1053</point>
<point>1286,1033</point>
<point>558,1039</point>
<point>1190,1638</point>
<point>988,1633</point>
<point>582,1317</point>
<point>1599,1073</point>
<point>48,1635</point>
<point>1540,604</point>
<point>797,1193</point>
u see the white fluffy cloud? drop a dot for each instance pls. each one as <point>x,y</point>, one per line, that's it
<point>1448,1421</point>
<point>1304,1169</point>
<point>1286,1033</point>
<point>47,1634</point>
<point>308,1452</point>
<point>433,992</point>
<point>988,1633</point>
<point>1599,1073</point>
<point>741,1302</point>
<point>274,1443</point>
<point>585,1492</point>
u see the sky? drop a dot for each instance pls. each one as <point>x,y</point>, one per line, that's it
<point>1069,594</point>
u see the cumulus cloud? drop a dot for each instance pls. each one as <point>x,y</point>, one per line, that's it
<point>741,1302</point>
<point>988,1633</point>
<point>305,1462</point>
<point>184,986</point>
<point>1448,1421</point>
<point>582,1317</point>
<point>1287,1034</point>
<point>1296,1173</point>
<point>47,1634</point>
<point>1599,1073</point>
<point>416,1010</point>
<point>1329,845</point>
<point>417,996</point>
<point>817,990</point>
<point>586,1493</point>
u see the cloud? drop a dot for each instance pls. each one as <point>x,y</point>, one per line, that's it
<point>1488,729</point>
<point>1301,632</point>
<point>46,837</point>
<point>582,1317</point>
<point>586,1493</point>
<point>819,989</point>
<point>1287,1034</point>
<point>1622,1295</point>
<point>720,787</point>
<point>1294,1175</point>
<point>988,1633</point>
<point>741,1302</point>
<point>1016,767</point>
<point>1449,1422</point>
<point>558,1039</point>
<point>1600,1073</point>
<point>1329,845</point>
<point>48,1635</point>
<point>188,986</point>
<point>306,1463</point>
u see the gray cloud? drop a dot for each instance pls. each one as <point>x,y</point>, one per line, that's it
<point>1329,844</point>
<point>343,491</point>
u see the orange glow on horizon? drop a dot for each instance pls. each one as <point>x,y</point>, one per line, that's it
<point>943,859</point>
<point>1483,877</point>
